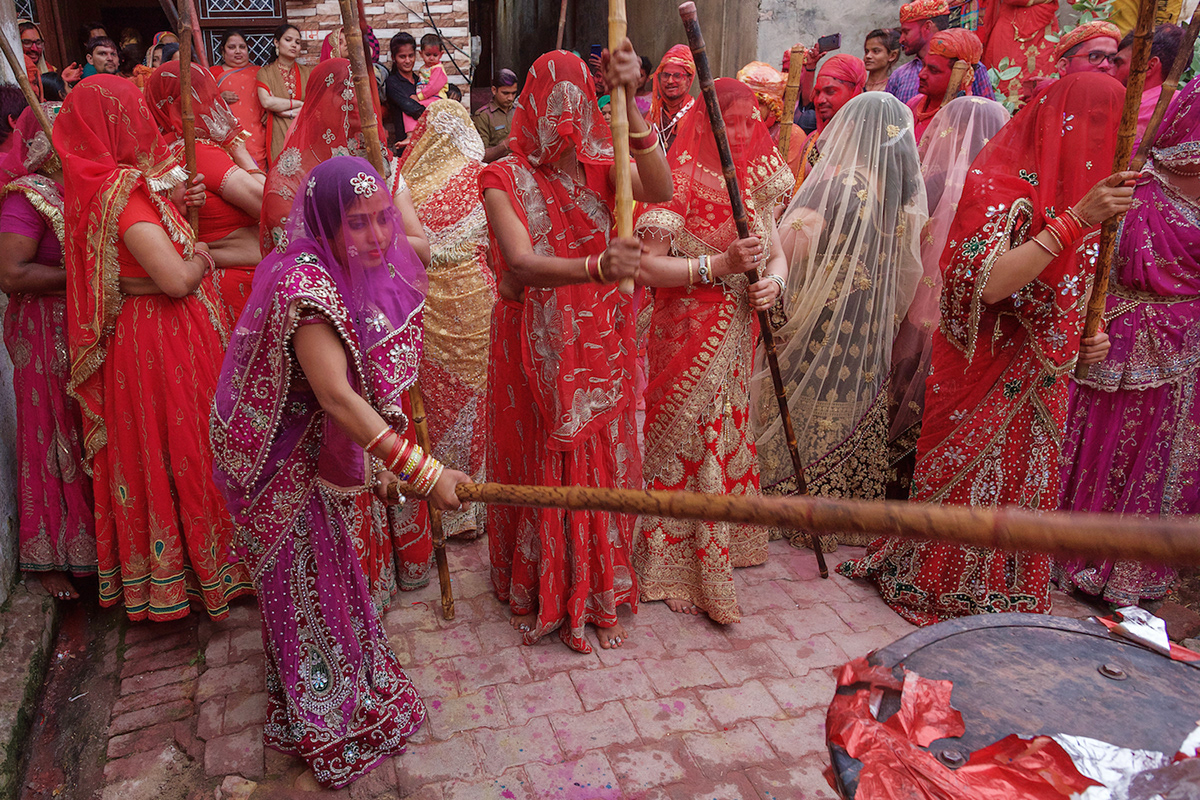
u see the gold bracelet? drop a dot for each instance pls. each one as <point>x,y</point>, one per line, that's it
<point>691,279</point>
<point>644,150</point>
<point>600,267</point>
<point>1046,247</point>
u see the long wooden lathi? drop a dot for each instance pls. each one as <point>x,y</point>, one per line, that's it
<point>691,25</point>
<point>186,111</point>
<point>1106,536</point>
<point>795,66</point>
<point>1170,85</point>
<point>1143,34</point>
<point>370,131</point>
<point>622,178</point>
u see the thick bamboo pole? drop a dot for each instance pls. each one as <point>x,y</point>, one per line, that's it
<point>691,25</point>
<point>1108,536</point>
<point>795,68</point>
<point>1169,87</point>
<point>1143,35</point>
<point>623,181</point>
<point>185,106</point>
<point>363,85</point>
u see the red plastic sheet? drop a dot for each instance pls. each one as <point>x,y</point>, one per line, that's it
<point>1178,651</point>
<point>896,768</point>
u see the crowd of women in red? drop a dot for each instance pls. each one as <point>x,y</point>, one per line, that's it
<point>211,412</point>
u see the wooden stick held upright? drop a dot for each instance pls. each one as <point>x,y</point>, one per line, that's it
<point>198,52</point>
<point>363,80</point>
<point>1165,540</point>
<point>185,106</point>
<point>1169,87</point>
<point>562,25</point>
<point>795,67</point>
<point>1143,35</point>
<point>18,68</point>
<point>620,135</point>
<point>691,25</point>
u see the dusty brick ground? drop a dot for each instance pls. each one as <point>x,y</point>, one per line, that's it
<point>686,709</point>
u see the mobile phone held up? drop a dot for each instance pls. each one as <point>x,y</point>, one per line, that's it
<point>827,44</point>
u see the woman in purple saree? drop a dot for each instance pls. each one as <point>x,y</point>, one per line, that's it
<point>1133,434</point>
<point>307,413</point>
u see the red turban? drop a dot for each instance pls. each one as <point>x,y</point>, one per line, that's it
<point>957,43</point>
<point>923,9</point>
<point>679,56</point>
<point>846,68</point>
<point>1096,29</point>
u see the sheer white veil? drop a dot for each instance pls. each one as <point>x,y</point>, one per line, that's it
<point>851,235</point>
<point>950,144</point>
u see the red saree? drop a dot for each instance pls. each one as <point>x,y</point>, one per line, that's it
<point>560,382</point>
<point>996,397</point>
<point>144,368</point>
<point>243,81</point>
<point>700,356</point>
<point>1016,30</point>
<point>217,132</point>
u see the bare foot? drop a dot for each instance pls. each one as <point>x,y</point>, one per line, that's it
<point>680,606</point>
<point>58,585</point>
<point>612,637</point>
<point>523,622</point>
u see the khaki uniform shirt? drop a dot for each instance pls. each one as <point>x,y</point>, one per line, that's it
<point>493,124</point>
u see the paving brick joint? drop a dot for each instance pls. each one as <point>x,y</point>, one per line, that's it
<point>687,709</point>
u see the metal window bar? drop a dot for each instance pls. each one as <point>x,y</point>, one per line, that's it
<point>260,45</point>
<point>27,9</point>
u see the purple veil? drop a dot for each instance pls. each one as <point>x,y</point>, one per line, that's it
<point>1153,309</point>
<point>348,262</point>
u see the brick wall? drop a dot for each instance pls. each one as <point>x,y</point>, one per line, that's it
<point>316,18</point>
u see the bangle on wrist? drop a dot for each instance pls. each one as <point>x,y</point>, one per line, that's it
<point>644,150</point>
<point>643,140</point>
<point>691,276</point>
<point>1046,247</point>
<point>705,271</point>
<point>378,438</point>
<point>778,281</point>
<point>600,267</point>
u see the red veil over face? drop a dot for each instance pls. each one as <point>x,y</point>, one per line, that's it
<point>214,121</point>
<point>1040,164</point>
<point>696,171</point>
<point>328,125</point>
<point>109,145</point>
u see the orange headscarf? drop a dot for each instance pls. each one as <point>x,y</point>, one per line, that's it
<point>680,56</point>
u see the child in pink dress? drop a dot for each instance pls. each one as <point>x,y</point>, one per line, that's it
<point>433,80</point>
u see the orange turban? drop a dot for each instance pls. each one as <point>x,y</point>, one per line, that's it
<point>923,9</point>
<point>957,43</point>
<point>680,56</point>
<point>1097,29</point>
<point>846,68</point>
<point>767,83</point>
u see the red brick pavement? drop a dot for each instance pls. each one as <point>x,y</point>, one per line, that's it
<point>686,709</point>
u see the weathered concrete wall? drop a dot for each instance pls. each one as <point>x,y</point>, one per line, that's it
<point>783,23</point>
<point>731,30</point>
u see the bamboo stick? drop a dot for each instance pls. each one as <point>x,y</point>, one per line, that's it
<point>1109,536</point>
<point>1169,87</point>
<point>623,181</point>
<point>197,42</point>
<point>363,84</point>
<point>562,25</point>
<point>691,25</point>
<point>185,107</point>
<point>1143,35</point>
<point>18,68</point>
<point>795,68</point>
